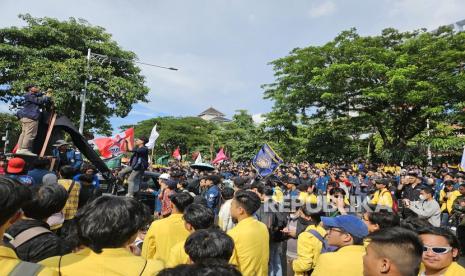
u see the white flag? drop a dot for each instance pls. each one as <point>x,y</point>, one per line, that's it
<point>462,163</point>
<point>153,137</point>
<point>198,160</point>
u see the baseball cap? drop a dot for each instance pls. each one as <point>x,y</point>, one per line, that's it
<point>351,224</point>
<point>15,165</point>
<point>383,181</point>
<point>164,176</point>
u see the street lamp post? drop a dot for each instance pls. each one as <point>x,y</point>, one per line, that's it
<point>84,91</point>
<point>83,95</point>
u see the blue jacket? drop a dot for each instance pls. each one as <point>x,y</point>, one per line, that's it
<point>32,104</point>
<point>74,158</point>
<point>213,196</point>
<point>23,179</point>
<point>321,183</point>
<point>95,180</point>
<point>38,174</point>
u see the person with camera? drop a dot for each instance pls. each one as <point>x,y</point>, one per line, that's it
<point>29,115</point>
<point>426,207</point>
<point>409,190</point>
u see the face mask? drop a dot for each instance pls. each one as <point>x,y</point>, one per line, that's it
<point>422,197</point>
<point>293,216</point>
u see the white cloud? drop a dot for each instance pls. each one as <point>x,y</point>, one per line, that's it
<point>322,9</point>
<point>439,13</point>
<point>258,118</point>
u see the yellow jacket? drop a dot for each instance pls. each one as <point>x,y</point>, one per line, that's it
<point>449,203</point>
<point>251,247</point>
<point>162,235</point>
<point>278,194</point>
<point>71,206</point>
<point>382,197</point>
<point>177,255</point>
<point>346,261</point>
<point>308,198</point>
<point>9,261</point>
<point>112,261</point>
<point>454,269</point>
<point>308,250</point>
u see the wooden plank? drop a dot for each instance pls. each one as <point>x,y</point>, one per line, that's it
<point>49,133</point>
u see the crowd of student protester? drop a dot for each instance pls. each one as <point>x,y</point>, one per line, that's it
<point>304,219</point>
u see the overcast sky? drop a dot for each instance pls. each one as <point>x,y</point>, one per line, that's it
<point>222,47</point>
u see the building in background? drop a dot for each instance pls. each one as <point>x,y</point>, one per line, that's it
<point>213,115</point>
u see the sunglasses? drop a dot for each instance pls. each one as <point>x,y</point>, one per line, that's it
<point>437,250</point>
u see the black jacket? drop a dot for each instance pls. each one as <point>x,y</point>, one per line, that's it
<point>41,247</point>
<point>32,104</point>
<point>140,159</point>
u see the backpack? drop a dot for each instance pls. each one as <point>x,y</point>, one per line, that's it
<point>395,205</point>
<point>326,247</point>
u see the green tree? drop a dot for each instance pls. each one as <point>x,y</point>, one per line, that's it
<point>241,138</point>
<point>14,129</point>
<point>189,134</point>
<point>52,54</point>
<point>389,84</point>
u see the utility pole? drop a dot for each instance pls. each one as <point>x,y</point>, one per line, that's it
<point>430,158</point>
<point>84,91</point>
<point>83,95</point>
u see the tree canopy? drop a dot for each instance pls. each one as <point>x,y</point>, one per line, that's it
<point>240,138</point>
<point>52,54</point>
<point>10,123</point>
<point>384,86</point>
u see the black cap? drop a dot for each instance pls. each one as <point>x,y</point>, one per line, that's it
<point>383,181</point>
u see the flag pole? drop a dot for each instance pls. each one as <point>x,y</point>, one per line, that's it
<point>151,159</point>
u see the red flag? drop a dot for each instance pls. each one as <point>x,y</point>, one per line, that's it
<point>220,156</point>
<point>176,154</point>
<point>111,146</point>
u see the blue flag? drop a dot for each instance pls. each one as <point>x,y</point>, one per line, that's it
<point>266,161</point>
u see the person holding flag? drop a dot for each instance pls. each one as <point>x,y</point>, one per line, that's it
<point>138,163</point>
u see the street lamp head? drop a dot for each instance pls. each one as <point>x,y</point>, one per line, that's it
<point>174,69</point>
